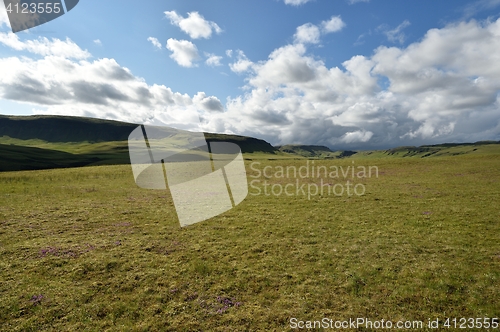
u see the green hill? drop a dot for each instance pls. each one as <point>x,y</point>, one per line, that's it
<point>44,142</point>
<point>314,151</point>
<point>19,158</point>
<point>438,150</point>
<point>64,129</point>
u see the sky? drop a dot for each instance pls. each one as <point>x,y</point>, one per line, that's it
<point>347,74</point>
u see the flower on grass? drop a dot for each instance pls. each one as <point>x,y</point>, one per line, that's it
<point>36,299</point>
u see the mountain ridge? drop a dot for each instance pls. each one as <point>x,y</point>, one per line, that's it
<point>45,141</point>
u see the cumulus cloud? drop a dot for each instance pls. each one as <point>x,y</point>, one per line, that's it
<point>101,88</point>
<point>479,5</point>
<point>98,42</point>
<point>156,43</point>
<point>194,25</point>
<point>397,34</point>
<point>445,87</point>
<point>184,52</point>
<point>242,63</point>
<point>59,83</point>
<point>43,46</point>
<point>208,103</point>
<point>334,24</point>
<point>296,2</point>
<point>357,136</point>
<point>307,34</point>
<point>213,60</point>
<point>310,34</point>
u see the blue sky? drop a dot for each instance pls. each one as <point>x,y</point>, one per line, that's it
<point>341,73</point>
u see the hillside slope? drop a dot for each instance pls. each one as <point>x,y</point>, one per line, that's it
<point>66,129</point>
<point>44,142</point>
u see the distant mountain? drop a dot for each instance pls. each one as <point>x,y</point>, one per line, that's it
<point>65,129</point>
<point>314,151</point>
<point>308,151</point>
<point>43,142</point>
<point>429,150</point>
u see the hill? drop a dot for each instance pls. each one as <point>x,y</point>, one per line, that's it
<point>314,151</point>
<point>64,129</point>
<point>44,142</point>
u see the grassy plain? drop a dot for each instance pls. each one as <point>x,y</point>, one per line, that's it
<point>86,249</point>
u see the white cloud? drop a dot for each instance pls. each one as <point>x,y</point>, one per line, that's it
<point>397,34</point>
<point>478,6</point>
<point>334,24</point>
<point>352,2</point>
<point>208,103</point>
<point>213,60</point>
<point>307,33</point>
<point>357,136</point>
<point>43,46</point>
<point>156,43</point>
<point>296,2</point>
<point>242,64</point>
<point>445,87</point>
<point>61,85</point>
<point>184,52</point>
<point>102,89</point>
<point>194,25</point>
<point>98,42</point>
<point>229,53</point>
<point>310,34</point>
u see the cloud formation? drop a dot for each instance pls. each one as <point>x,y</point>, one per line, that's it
<point>43,46</point>
<point>307,34</point>
<point>208,103</point>
<point>213,60</point>
<point>194,25</point>
<point>242,63</point>
<point>296,2</point>
<point>479,5</point>
<point>310,34</point>
<point>395,35</point>
<point>100,88</point>
<point>444,88</point>
<point>156,43</point>
<point>184,52</point>
<point>334,24</point>
<point>63,82</point>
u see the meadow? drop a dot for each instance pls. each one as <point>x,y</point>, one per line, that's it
<point>86,249</point>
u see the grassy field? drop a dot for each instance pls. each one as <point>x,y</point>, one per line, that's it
<point>86,249</point>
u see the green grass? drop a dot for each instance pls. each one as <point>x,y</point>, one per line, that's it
<point>423,242</point>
